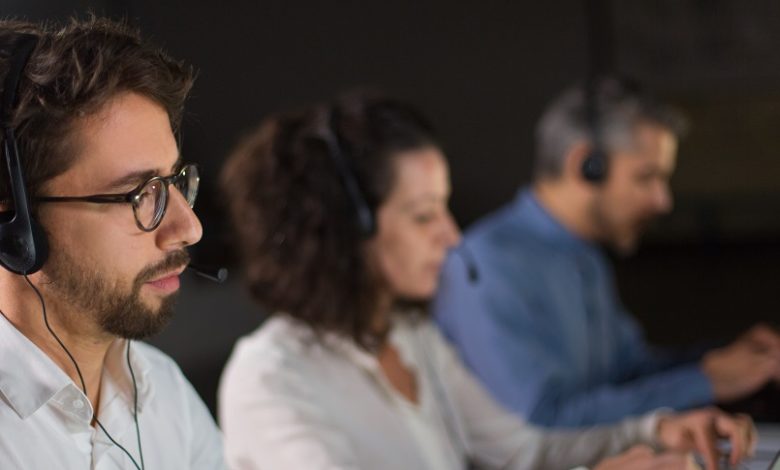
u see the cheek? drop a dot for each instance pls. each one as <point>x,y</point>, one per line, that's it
<point>97,246</point>
<point>625,197</point>
<point>402,267</point>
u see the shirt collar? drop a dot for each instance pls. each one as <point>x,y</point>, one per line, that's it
<point>29,378</point>
<point>116,370</point>
<point>534,216</point>
<point>399,327</point>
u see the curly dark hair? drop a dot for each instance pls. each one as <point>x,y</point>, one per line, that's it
<point>74,70</point>
<point>296,225</point>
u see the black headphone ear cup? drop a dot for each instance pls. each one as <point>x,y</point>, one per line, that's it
<point>23,250</point>
<point>594,167</point>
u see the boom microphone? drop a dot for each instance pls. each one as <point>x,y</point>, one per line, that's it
<point>219,274</point>
<point>468,260</point>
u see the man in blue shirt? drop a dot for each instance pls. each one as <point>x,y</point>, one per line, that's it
<point>543,326</point>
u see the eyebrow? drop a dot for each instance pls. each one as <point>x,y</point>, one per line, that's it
<point>421,200</point>
<point>136,177</point>
<point>140,176</point>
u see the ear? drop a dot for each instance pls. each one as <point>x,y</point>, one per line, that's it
<point>573,161</point>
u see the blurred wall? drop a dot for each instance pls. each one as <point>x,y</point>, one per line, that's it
<point>483,71</point>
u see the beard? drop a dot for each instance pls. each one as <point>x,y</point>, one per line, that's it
<point>117,310</point>
<point>621,237</point>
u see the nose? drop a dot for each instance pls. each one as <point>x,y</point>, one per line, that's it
<point>450,234</point>
<point>662,198</point>
<point>180,226</point>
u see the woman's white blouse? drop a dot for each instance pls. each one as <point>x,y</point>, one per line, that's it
<point>290,401</point>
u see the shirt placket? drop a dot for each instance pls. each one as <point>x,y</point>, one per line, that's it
<point>589,274</point>
<point>78,410</point>
<point>117,419</point>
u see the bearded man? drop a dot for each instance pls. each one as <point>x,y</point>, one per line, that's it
<point>89,115</point>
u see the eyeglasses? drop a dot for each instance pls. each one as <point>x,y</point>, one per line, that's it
<point>149,200</point>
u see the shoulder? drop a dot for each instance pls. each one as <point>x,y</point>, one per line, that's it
<point>276,351</point>
<point>276,341</point>
<point>506,236</point>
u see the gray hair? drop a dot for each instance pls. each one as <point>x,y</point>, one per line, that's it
<point>618,105</point>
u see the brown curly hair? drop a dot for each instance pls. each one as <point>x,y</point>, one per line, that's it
<point>74,70</point>
<point>296,225</point>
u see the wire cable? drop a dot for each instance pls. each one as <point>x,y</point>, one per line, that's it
<point>84,386</point>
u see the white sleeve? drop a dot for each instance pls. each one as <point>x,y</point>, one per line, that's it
<point>497,438</point>
<point>271,420</point>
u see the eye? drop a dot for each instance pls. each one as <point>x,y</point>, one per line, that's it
<point>148,193</point>
<point>424,218</point>
<point>645,177</point>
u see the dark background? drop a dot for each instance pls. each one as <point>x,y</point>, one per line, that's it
<point>483,71</point>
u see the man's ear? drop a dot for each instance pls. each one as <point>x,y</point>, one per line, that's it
<point>574,160</point>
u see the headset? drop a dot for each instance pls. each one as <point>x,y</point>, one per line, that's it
<point>595,166</point>
<point>365,216</point>
<point>23,244</point>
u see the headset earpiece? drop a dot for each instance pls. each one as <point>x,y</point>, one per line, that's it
<point>594,166</point>
<point>23,244</point>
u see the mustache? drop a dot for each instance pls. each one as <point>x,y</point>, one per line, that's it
<point>176,259</point>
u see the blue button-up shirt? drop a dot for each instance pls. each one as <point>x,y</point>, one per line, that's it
<point>544,330</point>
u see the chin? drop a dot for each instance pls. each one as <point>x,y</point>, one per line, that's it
<point>625,247</point>
<point>417,294</point>
<point>154,304</point>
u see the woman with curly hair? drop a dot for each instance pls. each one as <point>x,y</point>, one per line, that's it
<point>341,217</point>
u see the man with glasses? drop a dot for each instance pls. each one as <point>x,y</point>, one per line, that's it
<point>94,114</point>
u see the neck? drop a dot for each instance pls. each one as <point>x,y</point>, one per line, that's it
<point>569,206</point>
<point>85,342</point>
<point>381,319</point>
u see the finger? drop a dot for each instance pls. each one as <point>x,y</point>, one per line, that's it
<point>764,368</point>
<point>736,429</point>
<point>633,458</point>
<point>751,434</point>
<point>705,439</point>
<point>639,451</point>
<point>670,460</point>
<point>691,463</point>
<point>766,337</point>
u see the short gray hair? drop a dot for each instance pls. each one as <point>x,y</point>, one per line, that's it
<point>619,106</point>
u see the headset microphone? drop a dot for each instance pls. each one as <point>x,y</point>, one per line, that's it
<point>468,260</point>
<point>218,275</point>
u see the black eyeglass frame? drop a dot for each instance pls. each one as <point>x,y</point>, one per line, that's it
<point>133,196</point>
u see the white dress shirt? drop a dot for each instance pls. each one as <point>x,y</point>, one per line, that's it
<point>289,401</point>
<point>45,418</point>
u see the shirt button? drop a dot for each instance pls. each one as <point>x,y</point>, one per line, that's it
<point>78,404</point>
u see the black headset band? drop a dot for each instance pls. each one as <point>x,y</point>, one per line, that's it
<point>18,59</point>
<point>335,149</point>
